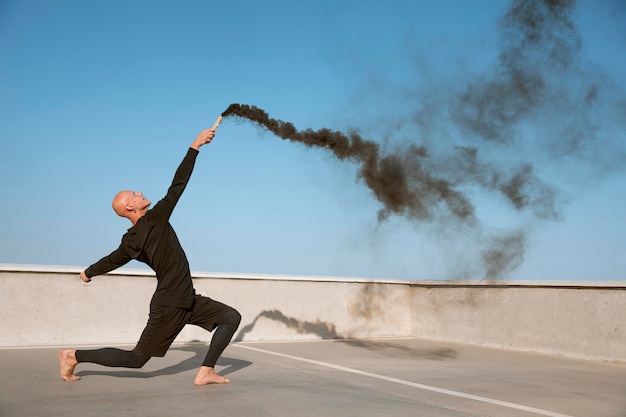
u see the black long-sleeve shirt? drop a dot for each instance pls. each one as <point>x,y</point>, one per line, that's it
<point>152,240</point>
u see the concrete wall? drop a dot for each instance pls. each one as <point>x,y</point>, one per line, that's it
<point>50,306</point>
<point>586,321</point>
<point>42,306</point>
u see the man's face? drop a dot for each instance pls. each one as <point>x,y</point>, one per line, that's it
<point>137,200</point>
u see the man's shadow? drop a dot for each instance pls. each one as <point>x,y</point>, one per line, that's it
<point>194,362</point>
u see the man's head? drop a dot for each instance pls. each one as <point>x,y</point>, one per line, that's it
<point>128,203</point>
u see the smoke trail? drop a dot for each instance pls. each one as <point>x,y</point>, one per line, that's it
<point>400,180</point>
<point>397,180</point>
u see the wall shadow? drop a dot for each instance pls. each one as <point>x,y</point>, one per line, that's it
<point>325,330</point>
<point>322,329</point>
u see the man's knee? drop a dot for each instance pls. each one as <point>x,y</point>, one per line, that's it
<point>231,318</point>
<point>136,360</point>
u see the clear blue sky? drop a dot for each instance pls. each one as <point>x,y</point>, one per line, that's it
<point>96,97</point>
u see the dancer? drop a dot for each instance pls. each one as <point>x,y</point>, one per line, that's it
<point>152,240</point>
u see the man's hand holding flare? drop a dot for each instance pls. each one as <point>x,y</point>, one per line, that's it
<point>206,136</point>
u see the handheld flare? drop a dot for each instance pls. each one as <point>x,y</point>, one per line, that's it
<point>217,122</point>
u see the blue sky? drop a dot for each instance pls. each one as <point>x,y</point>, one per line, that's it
<point>97,97</point>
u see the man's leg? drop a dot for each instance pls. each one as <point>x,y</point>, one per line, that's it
<point>225,328</point>
<point>68,359</point>
<point>164,324</point>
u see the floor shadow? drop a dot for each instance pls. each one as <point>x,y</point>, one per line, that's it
<point>389,349</point>
<point>231,365</point>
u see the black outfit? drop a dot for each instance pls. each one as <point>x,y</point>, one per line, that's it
<point>152,240</point>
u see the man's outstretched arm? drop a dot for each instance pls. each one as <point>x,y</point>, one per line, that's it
<point>163,209</point>
<point>117,258</point>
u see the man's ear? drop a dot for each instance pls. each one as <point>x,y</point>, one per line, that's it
<point>130,207</point>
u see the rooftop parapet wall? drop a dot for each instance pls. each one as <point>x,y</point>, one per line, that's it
<point>50,306</point>
<point>583,320</point>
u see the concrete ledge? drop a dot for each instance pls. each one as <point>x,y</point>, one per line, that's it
<point>145,272</point>
<point>50,306</point>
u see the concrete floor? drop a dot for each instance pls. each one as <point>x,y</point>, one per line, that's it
<point>361,378</point>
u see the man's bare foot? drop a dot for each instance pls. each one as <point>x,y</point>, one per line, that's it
<point>67,363</point>
<point>208,375</point>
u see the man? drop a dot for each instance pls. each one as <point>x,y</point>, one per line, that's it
<point>152,240</point>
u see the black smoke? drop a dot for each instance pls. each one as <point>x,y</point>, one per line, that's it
<point>539,81</point>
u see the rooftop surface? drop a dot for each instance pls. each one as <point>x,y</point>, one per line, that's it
<point>361,378</point>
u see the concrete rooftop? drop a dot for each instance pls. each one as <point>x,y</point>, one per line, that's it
<point>361,378</point>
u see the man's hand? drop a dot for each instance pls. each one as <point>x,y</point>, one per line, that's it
<point>84,277</point>
<point>206,136</point>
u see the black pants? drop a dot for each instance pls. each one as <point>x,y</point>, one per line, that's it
<point>224,327</point>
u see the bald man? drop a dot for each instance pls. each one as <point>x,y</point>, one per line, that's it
<point>152,240</point>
